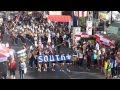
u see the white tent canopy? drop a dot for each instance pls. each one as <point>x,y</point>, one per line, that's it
<point>115,15</point>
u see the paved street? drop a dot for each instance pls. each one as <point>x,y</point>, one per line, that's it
<point>76,72</point>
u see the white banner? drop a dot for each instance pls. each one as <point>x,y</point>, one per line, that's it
<point>55,12</point>
<point>76,30</point>
<point>89,27</point>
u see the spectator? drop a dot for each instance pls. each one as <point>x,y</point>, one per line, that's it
<point>4,69</point>
<point>12,68</point>
<point>94,59</point>
<point>22,68</point>
<point>81,57</point>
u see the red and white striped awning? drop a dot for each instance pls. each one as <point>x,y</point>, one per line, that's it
<point>59,18</point>
<point>81,13</point>
<point>82,34</point>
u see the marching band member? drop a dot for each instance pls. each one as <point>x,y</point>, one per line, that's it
<point>68,62</point>
<point>45,63</point>
<point>61,65</point>
<point>52,49</point>
<point>39,62</point>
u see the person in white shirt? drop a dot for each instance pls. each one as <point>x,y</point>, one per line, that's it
<point>53,35</point>
<point>22,69</point>
<point>97,46</point>
<point>103,50</point>
<point>80,57</point>
<point>58,35</point>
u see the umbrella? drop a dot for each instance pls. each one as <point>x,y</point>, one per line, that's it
<point>104,41</point>
<point>97,36</point>
<point>82,34</point>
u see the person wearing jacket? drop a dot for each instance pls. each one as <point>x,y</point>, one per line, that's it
<point>12,67</point>
<point>22,68</point>
<point>4,69</point>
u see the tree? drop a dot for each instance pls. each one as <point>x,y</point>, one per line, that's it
<point>82,21</point>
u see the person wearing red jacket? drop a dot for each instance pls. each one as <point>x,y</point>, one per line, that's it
<point>12,68</point>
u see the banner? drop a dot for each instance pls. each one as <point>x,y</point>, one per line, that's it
<point>76,30</point>
<point>53,58</point>
<point>55,12</point>
<point>89,28</point>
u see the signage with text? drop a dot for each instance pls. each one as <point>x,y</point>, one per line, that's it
<point>53,58</point>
